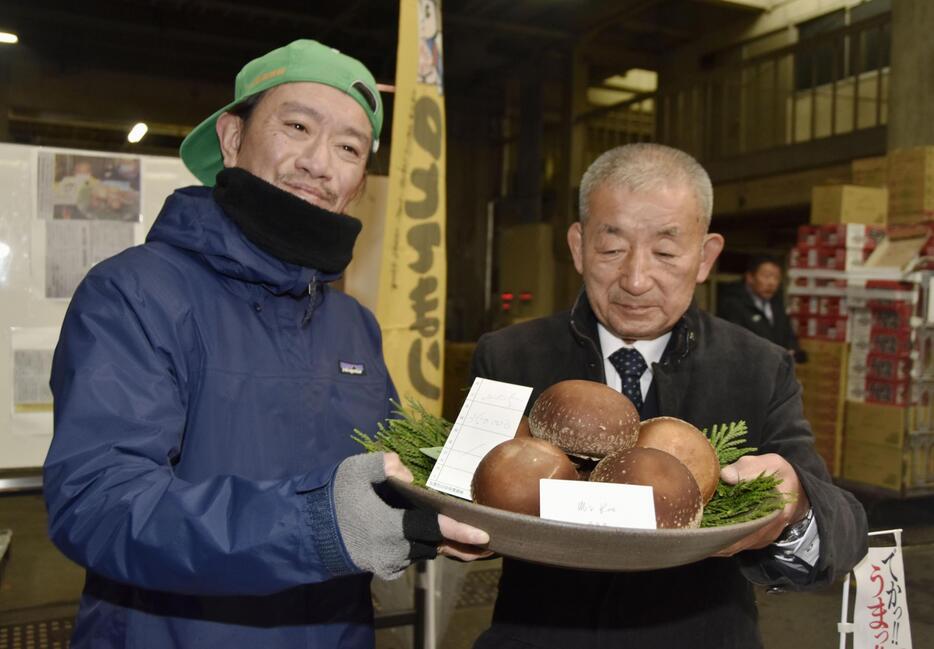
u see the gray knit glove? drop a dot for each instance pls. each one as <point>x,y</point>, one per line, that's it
<point>380,538</point>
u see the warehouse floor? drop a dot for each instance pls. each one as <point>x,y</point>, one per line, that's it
<point>39,588</point>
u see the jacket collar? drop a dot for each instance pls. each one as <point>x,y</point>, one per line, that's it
<point>192,220</point>
<point>583,324</point>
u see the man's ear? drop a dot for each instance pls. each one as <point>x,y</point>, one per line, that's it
<point>576,244</point>
<point>229,129</point>
<point>710,250</point>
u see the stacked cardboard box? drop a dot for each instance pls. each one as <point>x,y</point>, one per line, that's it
<point>884,329</point>
<point>831,204</point>
<point>883,339</point>
<point>870,172</point>
<point>817,305</point>
<point>890,386</point>
<point>885,449</point>
<point>875,435</point>
<point>823,388</point>
<point>911,185</point>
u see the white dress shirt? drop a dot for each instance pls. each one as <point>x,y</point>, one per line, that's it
<point>762,304</point>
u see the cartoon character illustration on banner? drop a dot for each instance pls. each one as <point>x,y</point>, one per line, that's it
<point>429,43</point>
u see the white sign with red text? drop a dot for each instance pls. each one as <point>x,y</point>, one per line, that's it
<point>880,614</point>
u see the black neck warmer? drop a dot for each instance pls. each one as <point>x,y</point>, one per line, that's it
<point>284,225</point>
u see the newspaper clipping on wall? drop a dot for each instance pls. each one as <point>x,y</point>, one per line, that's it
<point>91,207</point>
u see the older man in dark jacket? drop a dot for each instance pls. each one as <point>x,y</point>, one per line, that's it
<point>641,246</point>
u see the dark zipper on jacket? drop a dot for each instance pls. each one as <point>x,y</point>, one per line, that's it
<point>583,336</point>
<point>594,348</point>
<point>312,299</point>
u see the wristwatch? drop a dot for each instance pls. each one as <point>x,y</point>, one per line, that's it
<point>795,531</point>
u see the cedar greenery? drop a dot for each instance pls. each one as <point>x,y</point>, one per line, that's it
<point>726,440</point>
<point>415,429</point>
<point>744,501</point>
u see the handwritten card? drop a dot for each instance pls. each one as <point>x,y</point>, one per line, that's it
<point>598,503</point>
<point>490,415</point>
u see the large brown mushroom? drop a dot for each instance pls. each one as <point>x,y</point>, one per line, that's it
<point>676,494</point>
<point>508,476</point>
<point>585,418</point>
<point>686,443</point>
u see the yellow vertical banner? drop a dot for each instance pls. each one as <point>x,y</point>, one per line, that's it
<point>413,274</point>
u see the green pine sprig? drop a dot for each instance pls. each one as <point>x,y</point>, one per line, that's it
<point>746,500</point>
<point>414,429</point>
<point>727,440</point>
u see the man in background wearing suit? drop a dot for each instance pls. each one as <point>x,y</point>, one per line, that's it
<point>755,302</point>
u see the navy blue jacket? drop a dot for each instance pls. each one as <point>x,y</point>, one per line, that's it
<point>200,414</point>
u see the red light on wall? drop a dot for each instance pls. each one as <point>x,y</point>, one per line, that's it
<point>525,296</point>
<point>506,297</point>
<point>506,306</point>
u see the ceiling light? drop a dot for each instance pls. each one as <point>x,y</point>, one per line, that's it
<point>8,38</point>
<point>137,132</point>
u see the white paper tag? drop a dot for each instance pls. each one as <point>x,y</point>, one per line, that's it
<point>490,416</point>
<point>598,503</point>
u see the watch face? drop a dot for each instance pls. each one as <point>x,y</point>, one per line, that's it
<point>796,531</point>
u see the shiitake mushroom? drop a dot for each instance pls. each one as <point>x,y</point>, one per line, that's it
<point>508,476</point>
<point>585,418</point>
<point>686,443</point>
<point>676,494</point>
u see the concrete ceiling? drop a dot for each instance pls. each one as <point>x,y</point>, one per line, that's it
<point>82,66</point>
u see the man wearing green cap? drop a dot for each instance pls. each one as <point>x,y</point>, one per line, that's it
<point>207,384</point>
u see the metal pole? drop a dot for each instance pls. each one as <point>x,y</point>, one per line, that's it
<point>426,606</point>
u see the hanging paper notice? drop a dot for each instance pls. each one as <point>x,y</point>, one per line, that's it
<point>73,247</point>
<point>31,363</point>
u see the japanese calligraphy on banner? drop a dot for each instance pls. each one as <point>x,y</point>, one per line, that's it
<point>414,267</point>
<point>880,615</point>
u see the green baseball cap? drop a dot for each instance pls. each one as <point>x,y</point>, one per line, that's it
<point>301,60</point>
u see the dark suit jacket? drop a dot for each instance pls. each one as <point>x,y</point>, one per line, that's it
<point>712,372</point>
<point>736,305</point>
